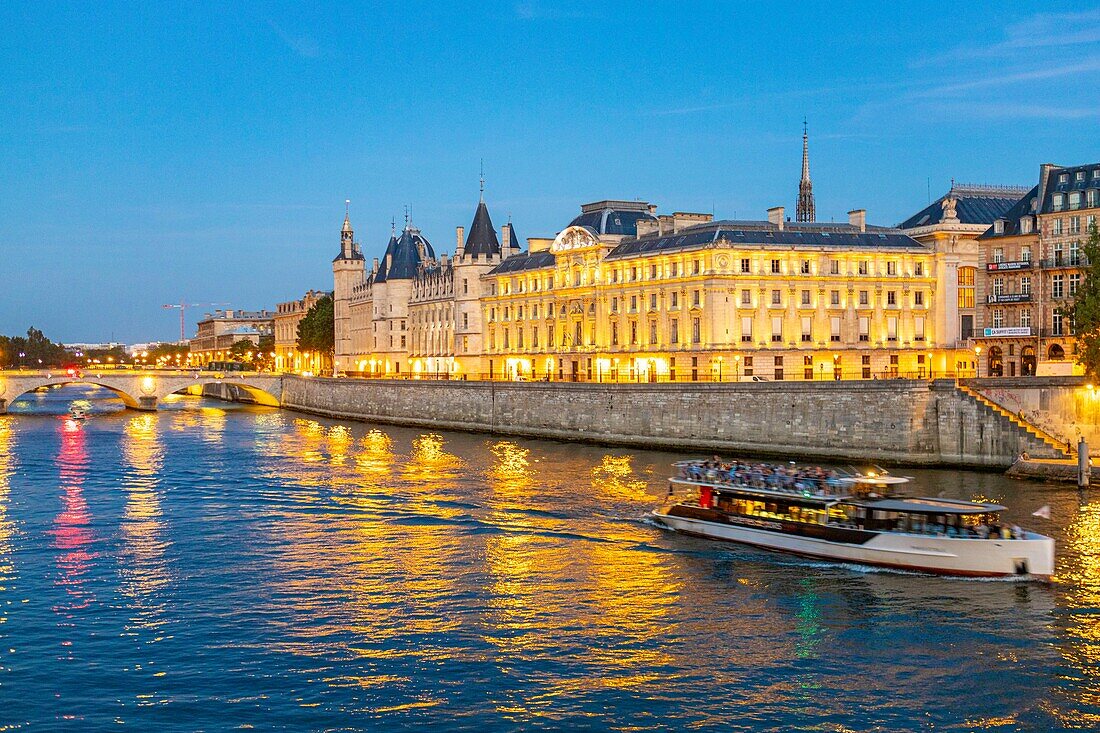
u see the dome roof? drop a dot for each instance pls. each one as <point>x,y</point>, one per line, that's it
<point>613,217</point>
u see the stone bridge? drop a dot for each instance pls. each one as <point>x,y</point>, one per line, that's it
<point>140,390</point>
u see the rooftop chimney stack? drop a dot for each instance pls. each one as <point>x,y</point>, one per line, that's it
<point>506,237</point>
<point>460,233</point>
<point>775,216</point>
<point>858,218</point>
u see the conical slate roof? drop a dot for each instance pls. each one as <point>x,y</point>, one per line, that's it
<point>405,253</point>
<point>517,243</point>
<point>482,239</point>
<point>380,276</point>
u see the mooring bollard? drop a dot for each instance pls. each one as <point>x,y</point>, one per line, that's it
<point>1084,465</point>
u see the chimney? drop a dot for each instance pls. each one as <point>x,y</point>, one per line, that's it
<point>443,260</point>
<point>374,267</point>
<point>652,209</point>
<point>506,236</point>
<point>459,239</point>
<point>858,218</point>
<point>775,216</point>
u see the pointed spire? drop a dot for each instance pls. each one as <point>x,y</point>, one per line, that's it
<point>482,199</point>
<point>347,215</point>
<point>804,210</point>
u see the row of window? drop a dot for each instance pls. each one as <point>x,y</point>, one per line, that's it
<point>576,336</point>
<point>1074,199</point>
<point>635,273</point>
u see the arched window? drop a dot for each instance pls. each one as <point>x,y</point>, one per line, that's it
<point>1056,352</point>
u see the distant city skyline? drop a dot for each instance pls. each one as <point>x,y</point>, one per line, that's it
<point>193,153</point>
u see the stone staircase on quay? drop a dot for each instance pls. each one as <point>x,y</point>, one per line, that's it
<point>1064,448</point>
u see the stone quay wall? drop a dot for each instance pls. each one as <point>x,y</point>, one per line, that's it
<point>1067,408</point>
<point>890,421</point>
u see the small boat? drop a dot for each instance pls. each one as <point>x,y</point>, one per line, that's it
<point>862,519</point>
<point>77,413</point>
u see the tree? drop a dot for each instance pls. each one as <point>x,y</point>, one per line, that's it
<point>37,350</point>
<point>241,347</point>
<point>316,332</point>
<point>1084,313</point>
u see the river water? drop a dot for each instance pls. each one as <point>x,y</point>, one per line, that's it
<point>214,566</point>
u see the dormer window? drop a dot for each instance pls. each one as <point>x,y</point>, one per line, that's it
<point>999,226</point>
<point>1025,225</point>
<point>1064,178</point>
<point>1080,176</point>
<point>1058,202</point>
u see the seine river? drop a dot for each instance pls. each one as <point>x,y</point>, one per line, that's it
<point>215,567</point>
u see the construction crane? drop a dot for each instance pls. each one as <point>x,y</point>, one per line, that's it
<point>183,310</point>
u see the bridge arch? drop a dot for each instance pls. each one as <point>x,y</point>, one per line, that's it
<point>142,390</point>
<point>10,392</point>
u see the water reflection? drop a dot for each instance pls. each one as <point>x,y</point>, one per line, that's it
<point>72,533</point>
<point>144,572</point>
<point>329,576</point>
<point>7,526</point>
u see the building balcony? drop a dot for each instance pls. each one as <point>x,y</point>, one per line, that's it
<point>1065,261</point>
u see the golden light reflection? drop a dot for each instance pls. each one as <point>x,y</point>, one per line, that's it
<point>614,477</point>
<point>144,574</point>
<point>7,526</point>
<point>1079,578</point>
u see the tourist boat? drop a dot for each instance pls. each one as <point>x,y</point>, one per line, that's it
<point>854,518</point>
<point>77,412</point>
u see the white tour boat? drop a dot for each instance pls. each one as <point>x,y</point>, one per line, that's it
<point>859,519</point>
<point>77,413</point>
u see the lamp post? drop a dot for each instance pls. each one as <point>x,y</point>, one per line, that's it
<point>836,367</point>
<point>719,358</point>
<point>737,367</point>
<point>978,361</point>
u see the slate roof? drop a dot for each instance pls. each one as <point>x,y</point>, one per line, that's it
<point>765,234</point>
<point>1091,180</point>
<point>1022,208</point>
<point>613,217</point>
<point>405,256</point>
<point>976,205</point>
<point>482,239</point>
<point>524,261</point>
<point>516,241</point>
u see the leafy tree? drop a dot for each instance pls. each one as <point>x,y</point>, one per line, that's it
<point>1084,313</point>
<point>241,347</point>
<point>315,330</point>
<point>38,351</point>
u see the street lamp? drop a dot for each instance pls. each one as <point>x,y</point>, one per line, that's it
<point>836,367</point>
<point>737,367</point>
<point>978,361</point>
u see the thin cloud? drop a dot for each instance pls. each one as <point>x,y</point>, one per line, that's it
<point>1041,31</point>
<point>1054,72</point>
<point>303,46</point>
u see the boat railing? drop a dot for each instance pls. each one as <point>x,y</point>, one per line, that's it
<point>784,485</point>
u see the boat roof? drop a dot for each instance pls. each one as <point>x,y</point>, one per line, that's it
<point>875,480</point>
<point>932,506</point>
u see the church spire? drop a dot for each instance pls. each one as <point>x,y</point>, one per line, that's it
<point>804,211</point>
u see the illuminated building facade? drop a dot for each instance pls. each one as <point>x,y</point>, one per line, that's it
<point>287,317</point>
<point>950,226</point>
<point>624,294</point>
<point>218,332</point>
<point>413,313</point>
<point>1032,261</point>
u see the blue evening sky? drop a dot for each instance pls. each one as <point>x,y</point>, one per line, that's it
<point>153,152</point>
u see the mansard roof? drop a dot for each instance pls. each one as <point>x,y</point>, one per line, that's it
<point>1054,185</point>
<point>525,261</point>
<point>1024,208</point>
<point>976,205</point>
<point>482,239</point>
<point>613,217</point>
<point>757,234</point>
<point>404,255</point>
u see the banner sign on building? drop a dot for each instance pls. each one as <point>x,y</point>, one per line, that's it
<point>1007,266</point>
<point>1010,298</point>
<point>1013,331</point>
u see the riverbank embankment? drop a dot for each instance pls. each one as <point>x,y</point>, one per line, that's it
<point>889,421</point>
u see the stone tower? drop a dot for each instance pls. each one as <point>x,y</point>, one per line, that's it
<point>804,211</point>
<point>477,255</point>
<point>347,273</point>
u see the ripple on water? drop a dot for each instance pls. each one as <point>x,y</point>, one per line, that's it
<point>214,567</point>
